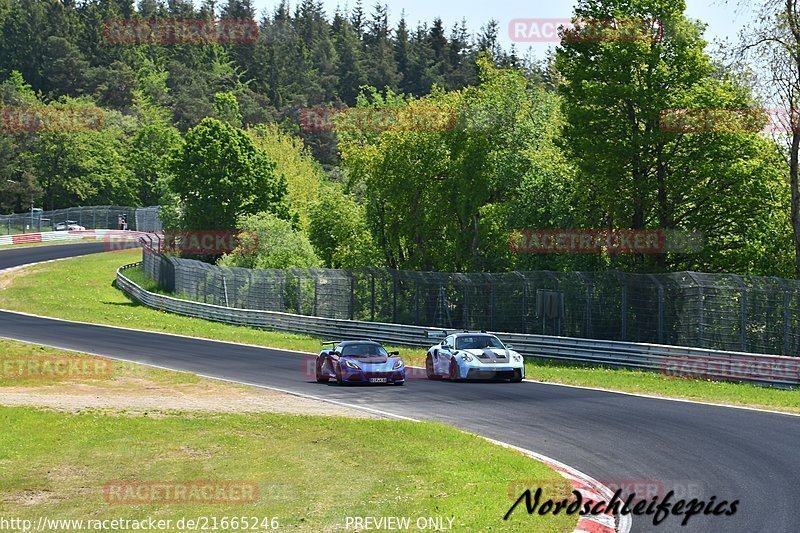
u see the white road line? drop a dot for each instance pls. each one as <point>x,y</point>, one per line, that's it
<point>533,455</point>
<point>287,350</point>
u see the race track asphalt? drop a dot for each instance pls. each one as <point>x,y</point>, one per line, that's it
<point>697,450</point>
<point>35,254</point>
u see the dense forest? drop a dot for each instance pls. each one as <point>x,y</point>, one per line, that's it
<point>212,132</point>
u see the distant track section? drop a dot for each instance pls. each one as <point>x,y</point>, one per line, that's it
<point>36,254</point>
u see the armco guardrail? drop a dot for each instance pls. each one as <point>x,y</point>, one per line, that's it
<point>775,371</point>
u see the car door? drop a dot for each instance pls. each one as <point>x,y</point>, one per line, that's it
<point>445,352</point>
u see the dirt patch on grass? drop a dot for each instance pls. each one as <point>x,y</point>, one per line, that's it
<point>135,397</point>
<point>8,275</point>
<point>27,498</point>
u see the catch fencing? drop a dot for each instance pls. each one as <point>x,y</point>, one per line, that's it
<point>708,311</point>
<point>774,371</point>
<point>94,217</point>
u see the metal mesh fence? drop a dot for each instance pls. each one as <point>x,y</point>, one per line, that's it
<point>95,217</point>
<point>724,312</point>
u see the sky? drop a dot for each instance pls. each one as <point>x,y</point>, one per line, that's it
<point>724,17</point>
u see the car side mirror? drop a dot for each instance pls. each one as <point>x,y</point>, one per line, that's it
<point>510,346</point>
<point>334,352</point>
<point>394,353</point>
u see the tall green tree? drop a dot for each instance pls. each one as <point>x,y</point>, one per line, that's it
<point>220,175</point>
<point>631,173</point>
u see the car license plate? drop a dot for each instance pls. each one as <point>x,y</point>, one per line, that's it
<point>377,380</point>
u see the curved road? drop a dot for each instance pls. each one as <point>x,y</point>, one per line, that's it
<point>697,450</point>
<point>36,254</point>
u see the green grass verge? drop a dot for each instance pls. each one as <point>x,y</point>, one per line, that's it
<point>26,365</point>
<point>311,472</point>
<point>81,289</point>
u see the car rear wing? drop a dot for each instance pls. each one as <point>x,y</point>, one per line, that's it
<point>442,333</point>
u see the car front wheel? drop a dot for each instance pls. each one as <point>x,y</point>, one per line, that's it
<point>339,378</point>
<point>453,374</point>
<point>321,377</point>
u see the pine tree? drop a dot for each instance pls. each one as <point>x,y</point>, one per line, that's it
<point>351,62</point>
<point>382,71</point>
<point>402,54</point>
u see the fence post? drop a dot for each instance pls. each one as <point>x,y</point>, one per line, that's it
<point>624,312</point>
<point>787,319</point>
<point>315,312</point>
<point>394,299</point>
<point>660,307</point>
<point>282,288</point>
<point>700,311</point>
<point>744,315</point>
<point>524,301</point>
<point>493,302</point>
<point>299,301</point>
<point>372,293</point>
<point>352,295</point>
<point>416,301</point>
<point>467,282</point>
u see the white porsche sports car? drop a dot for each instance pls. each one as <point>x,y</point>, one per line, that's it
<point>470,355</point>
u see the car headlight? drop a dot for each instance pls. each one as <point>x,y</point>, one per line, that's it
<point>398,364</point>
<point>352,365</point>
<point>466,357</point>
<point>517,358</point>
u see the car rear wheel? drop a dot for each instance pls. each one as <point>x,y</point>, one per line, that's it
<point>429,368</point>
<point>453,373</point>
<point>321,378</point>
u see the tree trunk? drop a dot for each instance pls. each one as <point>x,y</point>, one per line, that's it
<point>476,239</point>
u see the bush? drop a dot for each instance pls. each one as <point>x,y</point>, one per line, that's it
<point>270,242</point>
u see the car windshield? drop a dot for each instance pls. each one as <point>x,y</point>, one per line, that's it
<point>364,350</point>
<point>478,342</point>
